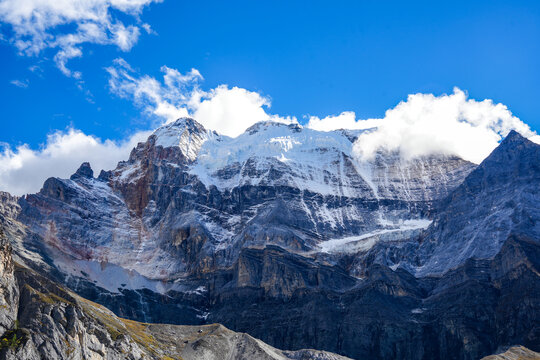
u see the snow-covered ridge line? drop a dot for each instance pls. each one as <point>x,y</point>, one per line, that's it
<point>274,185</point>
<point>185,133</point>
<point>307,159</point>
<point>276,154</point>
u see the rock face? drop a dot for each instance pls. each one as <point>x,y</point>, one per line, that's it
<point>41,320</point>
<point>283,233</point>
<point>188,200</point>
<point>8,291</point>
<point>500,197</point>
<point>515,353</point>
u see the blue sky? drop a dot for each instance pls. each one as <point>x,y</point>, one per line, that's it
<point>315,58</point>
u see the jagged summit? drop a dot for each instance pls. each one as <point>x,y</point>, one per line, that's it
<point>514,150</point>
<point>84,171</point>
<point>170,133</point>
<point>514,137</point>
<point>503,191</point>
<point>515,159</point>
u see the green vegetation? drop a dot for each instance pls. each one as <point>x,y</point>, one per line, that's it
<point>49,298</point>
<point>13,338</point>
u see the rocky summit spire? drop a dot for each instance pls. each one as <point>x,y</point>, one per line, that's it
<point>84,171</point>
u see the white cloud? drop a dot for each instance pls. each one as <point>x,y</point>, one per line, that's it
<point>345,120</point>
<point>228,111</point>
<point>65,25</point>
<point>20,83</point>
<point>427,124</point>
<point>23,170</point>
<point>423,124</point>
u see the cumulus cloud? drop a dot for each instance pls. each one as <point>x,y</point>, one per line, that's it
<point>65,25</point>
<point>426,124</point>
<point>23,170</point>
<point>422,125</point>
<point>228,111</point>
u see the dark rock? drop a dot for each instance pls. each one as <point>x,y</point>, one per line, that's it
<point>84,171</point>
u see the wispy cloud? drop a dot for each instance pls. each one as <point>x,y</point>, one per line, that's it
<point>20,83</point>
<point>65,25</point>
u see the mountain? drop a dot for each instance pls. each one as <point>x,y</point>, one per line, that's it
<point>188,200</point>
<point>284,233</point>
<point>42,320</point>
<point>499,198</point>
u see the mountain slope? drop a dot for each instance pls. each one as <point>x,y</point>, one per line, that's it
<point>53,323</point>
<point>515,353</point>
<point>500,197</point>
<point>188,203</point>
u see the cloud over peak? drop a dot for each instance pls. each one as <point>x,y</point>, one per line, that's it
<point>422,125</point>
<point>23,170</point>
<point>426,124</point>
<point>229,111</point>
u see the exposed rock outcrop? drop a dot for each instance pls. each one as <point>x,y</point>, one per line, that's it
<point>41,320</point>
<point>515,353</point>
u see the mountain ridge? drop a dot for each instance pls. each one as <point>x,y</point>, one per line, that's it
<point>317,242</point>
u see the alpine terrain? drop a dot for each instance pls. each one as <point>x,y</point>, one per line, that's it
<point>281,234</point>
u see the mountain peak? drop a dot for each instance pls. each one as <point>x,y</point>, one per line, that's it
<point>502,189</point>
<point>84,171</point>
<point>514,149</point>
<point>184,133</point>
<point>261,125</point>
<point>514,137</point>
<point>170,134</point>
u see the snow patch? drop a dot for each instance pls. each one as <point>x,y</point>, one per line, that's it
<point>184,133</point>
<point>366,241</point>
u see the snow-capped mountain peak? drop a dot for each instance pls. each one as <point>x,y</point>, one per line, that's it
<point>185,133</point>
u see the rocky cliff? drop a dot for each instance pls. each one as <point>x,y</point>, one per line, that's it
<point>42,320</point>
<point>285,234</point>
